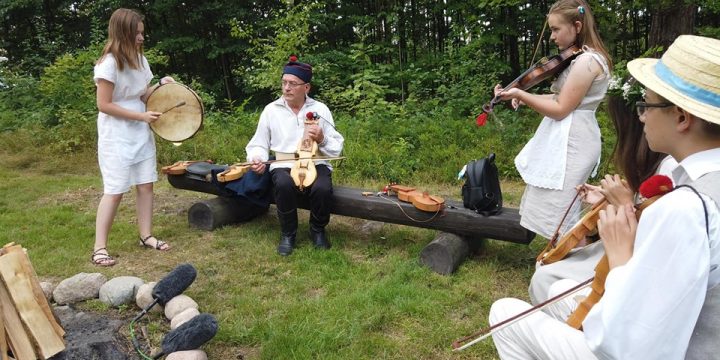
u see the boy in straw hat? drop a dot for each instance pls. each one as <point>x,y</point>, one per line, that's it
<point>661,300</point>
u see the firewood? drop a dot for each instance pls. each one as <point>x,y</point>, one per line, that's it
<point>19,288</point>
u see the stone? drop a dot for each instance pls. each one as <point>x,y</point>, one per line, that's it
<point>144,298</point>
<point>370,227</point>
<point>47,289</point>
<point>120,290</point>
<point>182,317</point>
<point>81,287</point>
<point>178,304</point>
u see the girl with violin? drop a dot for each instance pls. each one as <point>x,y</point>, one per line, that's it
<point>126,146</point>
<point>660,298</point>
<point>566,146</point>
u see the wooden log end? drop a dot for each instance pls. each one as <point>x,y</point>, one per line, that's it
<point>445,253</point>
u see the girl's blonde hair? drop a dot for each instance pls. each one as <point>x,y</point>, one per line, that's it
<point>578,10</point>
<point>122,30</point>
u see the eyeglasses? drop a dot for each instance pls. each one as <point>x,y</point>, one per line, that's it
<point>642,106</point>
<point>291,84</point>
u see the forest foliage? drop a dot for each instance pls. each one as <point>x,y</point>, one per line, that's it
<point>404,79</point>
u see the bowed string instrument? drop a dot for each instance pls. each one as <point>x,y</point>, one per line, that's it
<point>544,69</point>
<point>652,189</point>
<point>303,171</point>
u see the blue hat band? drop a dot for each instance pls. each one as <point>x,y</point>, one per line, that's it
<point>686,88</point>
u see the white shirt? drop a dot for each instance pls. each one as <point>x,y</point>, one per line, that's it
<point>651,304</point>
<point>124,142</point>
<point>280,130</point>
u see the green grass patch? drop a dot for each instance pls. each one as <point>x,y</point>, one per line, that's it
<point>366,298</point>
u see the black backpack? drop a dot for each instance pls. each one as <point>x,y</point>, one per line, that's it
<point>481,191</point>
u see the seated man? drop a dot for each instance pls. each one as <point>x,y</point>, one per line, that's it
<point>280,129</point>
<point>661,299</point>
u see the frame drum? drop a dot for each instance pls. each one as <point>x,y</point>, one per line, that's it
<point>182,112</point>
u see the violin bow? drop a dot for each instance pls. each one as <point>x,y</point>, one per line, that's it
<point>293,159</point>
<point>464,343</point>
<point>556,235</point>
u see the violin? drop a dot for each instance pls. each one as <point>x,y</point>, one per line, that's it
<point>303,172</point>
<point>420,200</point>
<point>557,250</point>
<point>601,271</point>
<point>544,69</point>
<point>236,171</point>
<point>179,167</point>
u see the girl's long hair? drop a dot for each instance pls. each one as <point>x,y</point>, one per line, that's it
<point>122,30</point>
<point>632,154</point>
<point>570,12</point>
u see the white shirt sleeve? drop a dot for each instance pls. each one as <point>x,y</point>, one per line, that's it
<point>651,304</point>
<point>332,144</point>
<point>106,70</point>
<point>259,145</point>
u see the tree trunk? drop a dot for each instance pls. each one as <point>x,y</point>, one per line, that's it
<point>669,22</point>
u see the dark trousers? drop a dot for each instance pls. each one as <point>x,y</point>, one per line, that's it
<point>319,194</point>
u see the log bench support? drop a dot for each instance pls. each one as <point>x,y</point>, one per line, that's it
<point>461,229</point>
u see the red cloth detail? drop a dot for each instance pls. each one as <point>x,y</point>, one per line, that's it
<point>481,119</point>
<point>293,58</point>
<point>655,185</point>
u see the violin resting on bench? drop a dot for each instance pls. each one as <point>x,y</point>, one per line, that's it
<point>421,200</point>
<point>233,172</point>
<point>179,167</point>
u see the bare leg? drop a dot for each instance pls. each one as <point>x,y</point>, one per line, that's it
<point>105,216</point>
<point>144,214</point>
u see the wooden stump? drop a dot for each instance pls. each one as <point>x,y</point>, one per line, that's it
<point>214,213</point>
<point>447,251</point>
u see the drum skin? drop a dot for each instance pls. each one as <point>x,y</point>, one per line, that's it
<point>178,123</point>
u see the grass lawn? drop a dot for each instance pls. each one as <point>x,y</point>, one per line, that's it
<point>366,298</point>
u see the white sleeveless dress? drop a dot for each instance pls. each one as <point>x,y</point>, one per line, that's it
<point>561,155</point>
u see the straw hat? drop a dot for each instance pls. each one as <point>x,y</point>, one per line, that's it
<point>688,75</point>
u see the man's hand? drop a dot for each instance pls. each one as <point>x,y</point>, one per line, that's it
<point>315,132</point>
<point>258,166</point>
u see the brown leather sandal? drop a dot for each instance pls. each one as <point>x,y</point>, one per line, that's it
<point>100,257</point>
<point>159,244</point>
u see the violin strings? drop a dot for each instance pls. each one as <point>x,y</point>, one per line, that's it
<point>406,214</point>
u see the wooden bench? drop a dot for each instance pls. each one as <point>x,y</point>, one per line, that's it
<point>461,228</point>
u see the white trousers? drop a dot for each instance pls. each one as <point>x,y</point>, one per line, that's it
<point>542,335</point>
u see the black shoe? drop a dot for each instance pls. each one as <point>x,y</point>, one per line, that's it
<point>288,229</point>
<point>319,238</point>
<point>287,244</point>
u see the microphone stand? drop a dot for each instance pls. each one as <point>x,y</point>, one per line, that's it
<point>133,339</point>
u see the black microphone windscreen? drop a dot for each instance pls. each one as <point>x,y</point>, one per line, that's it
<point>190,335</point>
<point>174,283</point>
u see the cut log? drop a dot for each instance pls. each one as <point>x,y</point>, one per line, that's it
<point>447,251</point>
<point>220,211</point>
<point>350,202</point>
<point>19,286</point>
<point>3,340</point>
<point>20,342</point>
<point>36,289</point>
